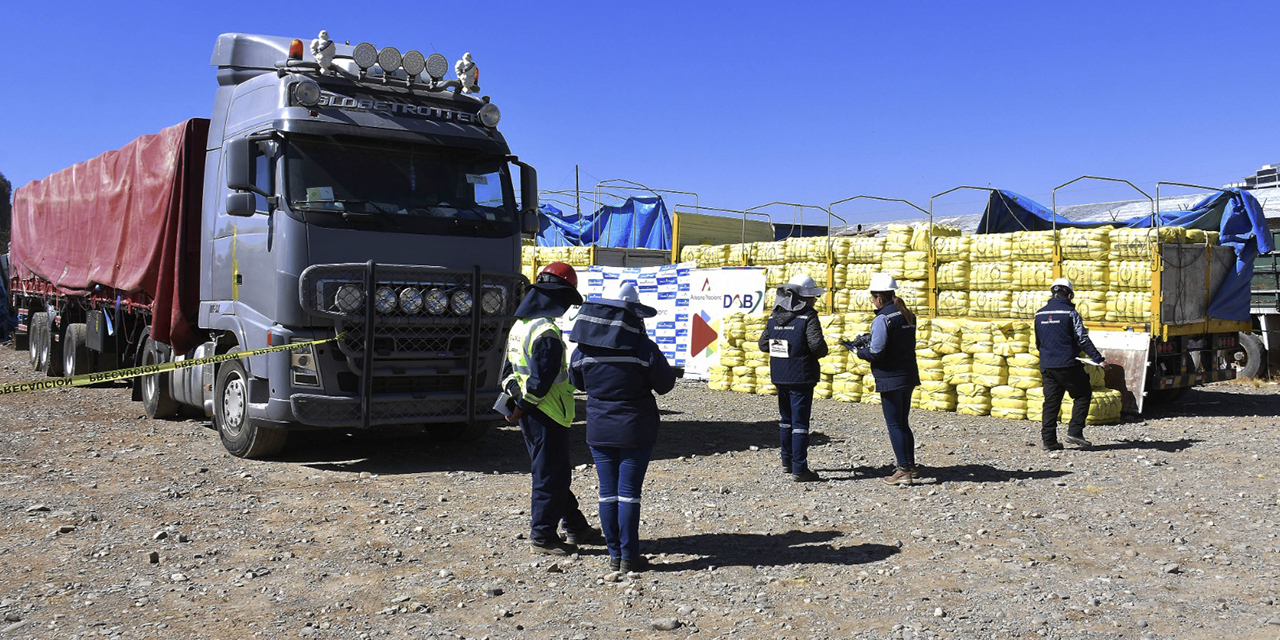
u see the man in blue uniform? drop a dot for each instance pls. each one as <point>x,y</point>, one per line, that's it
<point>1060,337</point>
<point>793,339</point>
<point>538,376</point>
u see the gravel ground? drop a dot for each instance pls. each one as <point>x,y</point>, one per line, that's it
<point>115,526</point>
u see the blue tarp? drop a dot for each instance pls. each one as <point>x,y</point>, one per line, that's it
<point>1234,213</point>
<point>641,222</point>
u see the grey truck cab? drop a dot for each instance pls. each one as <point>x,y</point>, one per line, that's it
<point>352,194</point>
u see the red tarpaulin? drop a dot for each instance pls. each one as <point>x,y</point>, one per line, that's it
<point>127,220</point>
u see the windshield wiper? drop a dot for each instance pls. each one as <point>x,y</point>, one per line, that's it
<point>347,214</point>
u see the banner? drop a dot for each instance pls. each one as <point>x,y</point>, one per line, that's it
<point>717,293</point>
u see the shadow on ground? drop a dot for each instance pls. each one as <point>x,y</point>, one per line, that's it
<point>768,550</point>
<point>1167,446</point>
<point>1223,400</point>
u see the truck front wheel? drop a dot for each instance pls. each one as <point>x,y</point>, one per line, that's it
<point>1251,357</point>
<point>231,416</point>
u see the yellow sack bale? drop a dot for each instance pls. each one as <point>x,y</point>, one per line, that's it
<point>1128,306</point>
<point>894,263</point>
<point>912,293</point>
<point>718,385</point>
<point>953,275</point>
<point>1085,244</point>
<point>915,265</point>
<point>865,250</point>
<point>764,389</point>
<point>990,276</point>
<point>743,386</point>
<point>1092,305</point>
<point>831,364</point>
<point>741,371</point>
<point>975,336</point>
<point>991,247</point>
<point>898,234</point>
<point>1200,236</point>
<point>763,372</point>
<point>1104,407</point>
<point>1097,377</point>
<point>957,368</point>
<point>1033,245</point>
<point>858,276</point>
<point>1033,276</point>
<point>1129,275</point>
<point>953,303</point>
<point>1136,244</point>
<point>1086,274</point>
<point>931,370</point>
<point>989,370</point>
<point>972,399</point>
<point>739,254</point>
<point>944,336</point>
<point>1011,337</point>
<point>990,304</point>
<point>1025,360</point>
<point>768,253</point>
<point>1026,303</point>
<point>869,393</point>
<point>951,248</point>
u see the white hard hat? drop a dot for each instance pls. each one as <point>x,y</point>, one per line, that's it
<point>804,285</point>
<point>882,282</point>
<point>624,295</point>
<point>1062,282</point>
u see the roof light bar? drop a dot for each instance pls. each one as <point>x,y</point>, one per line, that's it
<point>413,63</point>
<point>437,66</point>
<point>365,56</point>
<point>389,59</point>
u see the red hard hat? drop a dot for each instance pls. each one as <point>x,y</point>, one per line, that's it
<point>563,271</point>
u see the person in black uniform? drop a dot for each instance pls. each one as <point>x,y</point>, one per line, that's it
<point>1060,337</point>
<point>620,368</point>
<point>891,350</point>
<point>793,339</point>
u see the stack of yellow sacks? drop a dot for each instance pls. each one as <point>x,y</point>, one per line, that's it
<point>990,276</point>
<point>1104,405</point>
<point>854,261</point>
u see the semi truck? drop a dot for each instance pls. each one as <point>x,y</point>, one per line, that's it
<point>354,199</point>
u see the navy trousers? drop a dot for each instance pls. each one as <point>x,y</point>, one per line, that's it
<point>621,473</point>
<point>1071,380</point>
<point>896,406</point>
<point>551,501</point>
<point>795,404</point>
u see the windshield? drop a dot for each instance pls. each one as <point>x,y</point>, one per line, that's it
<point>342,181</point>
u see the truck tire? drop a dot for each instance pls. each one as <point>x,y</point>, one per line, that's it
<point>1251,359</point>
<point>51,361</point>
<point>157,403</point>
<point>239,435</point>
<point>39,322</point>
<point>77,359</point>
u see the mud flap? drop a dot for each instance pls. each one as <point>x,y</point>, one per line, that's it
<point>1128,356</point>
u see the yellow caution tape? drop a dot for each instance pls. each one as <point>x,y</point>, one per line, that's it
<point>87,379</point>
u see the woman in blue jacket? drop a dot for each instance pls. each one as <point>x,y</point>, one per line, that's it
<point>892,354</point>
<point>620,368</point>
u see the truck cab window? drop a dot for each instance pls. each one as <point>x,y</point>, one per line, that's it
<point>417,188</point>
<point>261,178</point>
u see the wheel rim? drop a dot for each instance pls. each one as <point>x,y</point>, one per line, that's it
<point>233,401</point>
<point>68,361</point>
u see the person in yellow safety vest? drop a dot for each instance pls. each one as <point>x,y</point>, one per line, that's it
<point>537,377</point>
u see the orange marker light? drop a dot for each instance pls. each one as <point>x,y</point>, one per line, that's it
<point>295,49</point>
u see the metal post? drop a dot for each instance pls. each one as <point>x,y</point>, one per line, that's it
<point>366,373</point>
<point>473,357</point>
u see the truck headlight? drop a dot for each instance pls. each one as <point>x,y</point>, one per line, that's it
<point>411,301</point>
<point>492,301</point>
<point>384,300</point>
<point>460,302</point>
<point>306,93</point>
<point>490,115</point>
<point>349,298</point>
<point>436,302</point>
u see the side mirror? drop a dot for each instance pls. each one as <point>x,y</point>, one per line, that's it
<point>240,170</point>
<point>529,223</point>
<point>241,204</point>
<point>528,188</point>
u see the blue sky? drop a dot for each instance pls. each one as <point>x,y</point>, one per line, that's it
<point>743,103</point>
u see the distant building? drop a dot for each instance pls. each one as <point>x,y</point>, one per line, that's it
<point>1266,177</point>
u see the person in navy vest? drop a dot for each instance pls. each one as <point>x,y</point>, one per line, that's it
<point>1060,337</point>
<point>891,351</point>
<point>620,368</point>
<point>793,339</point>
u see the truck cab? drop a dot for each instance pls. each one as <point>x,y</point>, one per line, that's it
<point>360,199</point>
